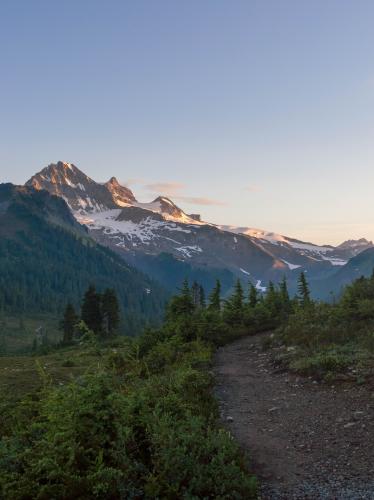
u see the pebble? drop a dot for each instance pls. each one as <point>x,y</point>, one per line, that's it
<point>350,424</point>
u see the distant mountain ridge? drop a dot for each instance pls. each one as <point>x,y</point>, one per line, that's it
<point>116,219</point>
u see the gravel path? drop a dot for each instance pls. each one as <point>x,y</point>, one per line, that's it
<point>305,440</point>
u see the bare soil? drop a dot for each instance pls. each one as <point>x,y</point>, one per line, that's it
<point>304,439</point>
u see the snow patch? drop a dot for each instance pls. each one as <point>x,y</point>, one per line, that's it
<point>335,261</point>
<point>259,287</point>
<point>188,251</point>
<point>291,266</point>
<point>69,183</point>
<point>125,230</point>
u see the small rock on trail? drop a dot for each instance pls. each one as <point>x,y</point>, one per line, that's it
<point>304,440</point>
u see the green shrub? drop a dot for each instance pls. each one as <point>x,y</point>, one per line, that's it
<point>330,361</point>
<point>194,460</point>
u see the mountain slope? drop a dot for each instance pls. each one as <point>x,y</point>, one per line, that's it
<point>47,259</point>
<point>360,265</point>
<point>139,231</point>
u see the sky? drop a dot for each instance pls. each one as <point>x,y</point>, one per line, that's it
<point>252,113</point>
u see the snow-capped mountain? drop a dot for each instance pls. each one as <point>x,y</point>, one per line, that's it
<point>285,247</point>
<point>116,219</point>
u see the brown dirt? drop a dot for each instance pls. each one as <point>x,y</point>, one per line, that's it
<point>305,440</point>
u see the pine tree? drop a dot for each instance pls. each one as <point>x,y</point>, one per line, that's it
<point>215,298</point>
<point>253,296</point>
<point>303,290</point>
<point>284,292</point>
<point>233,311</point>
<point>187,300</point>
<point>202,297</point>
<point>195,292</point>
<point>68,323</point>
<point>238,297</point>
<point>271,296</point>
<point>110,312</point>
<point>180,305</point>
<point>91,310</point>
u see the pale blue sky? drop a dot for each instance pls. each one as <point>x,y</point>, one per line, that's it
<point>265,106</point>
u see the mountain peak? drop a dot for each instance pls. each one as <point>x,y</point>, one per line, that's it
<point>362,242</point>
<point>75,187</point>
<point>66,164</point>
<point>168,207</point>
<point>164,199</point>
<point>122,195</point>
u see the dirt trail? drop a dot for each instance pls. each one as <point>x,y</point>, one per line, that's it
<point>305,440</point>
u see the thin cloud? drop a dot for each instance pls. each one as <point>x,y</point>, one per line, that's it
<point>165,187</point>
<point>131,181</point>
<point>201,201</point>
<point>173,189</point>
<point>253,188</point>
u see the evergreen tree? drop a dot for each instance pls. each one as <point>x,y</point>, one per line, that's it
<point>110,312</point>
<point>303,290</point>
<point>187,300</point>
<point>284,292</point>
<point>91,310</point>
<point>68,323</point>
<point>215,298</point>
<point>180,318</point>
<point>271,299</point>
<point>202,297</point>
<point>253,296</point>
<point>233,311</point>
<point>195,292</point>
<point>181,305</point>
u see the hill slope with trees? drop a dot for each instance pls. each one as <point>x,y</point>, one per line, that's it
<point>48,259</point>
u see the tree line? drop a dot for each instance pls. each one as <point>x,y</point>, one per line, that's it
<point>191,314</point>
<point>215,319</point>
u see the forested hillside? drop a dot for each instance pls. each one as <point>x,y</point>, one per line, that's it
<point>46,259</point>
<point>170,271</point>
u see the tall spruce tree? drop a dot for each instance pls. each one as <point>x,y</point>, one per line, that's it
<point>68,323</point>
<point>215,298</point>
<point>195,292</point>
<point>285,296</point>
<point>181,304</point>
<point>187,302</point>
<point>110,312</point>
<point>233,311</point>
<point>91,310</point>
<point>303,290</point>
<point>253,296</point>
<point>202,297</point>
